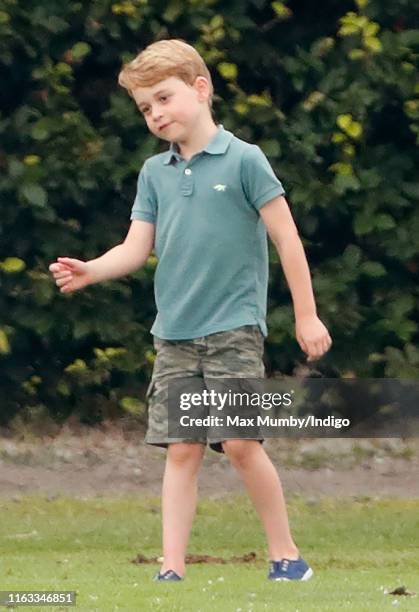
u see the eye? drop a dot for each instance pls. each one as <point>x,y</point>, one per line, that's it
<point>163,98</point>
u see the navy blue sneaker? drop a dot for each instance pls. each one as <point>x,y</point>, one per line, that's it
<point>289,569</point>
<point>168,575</point>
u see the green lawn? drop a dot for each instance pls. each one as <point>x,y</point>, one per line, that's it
<point>356,548</point>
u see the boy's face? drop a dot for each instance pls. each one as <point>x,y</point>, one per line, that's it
<point>172,108</point>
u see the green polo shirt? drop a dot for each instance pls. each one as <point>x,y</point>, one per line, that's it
<point>210,241</point>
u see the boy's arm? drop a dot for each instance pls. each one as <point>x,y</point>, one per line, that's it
<point>311,333</point>
<point>73,274</point>
<point>126,257</point>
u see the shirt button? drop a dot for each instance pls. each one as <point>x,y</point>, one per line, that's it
<point>188,171</point>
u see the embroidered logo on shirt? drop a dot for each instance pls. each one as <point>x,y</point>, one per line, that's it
<point>220,187</point>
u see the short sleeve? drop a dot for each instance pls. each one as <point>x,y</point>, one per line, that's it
<point>259,182</point>
<point>145,204</point>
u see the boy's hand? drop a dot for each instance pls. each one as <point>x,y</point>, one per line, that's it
<point>70,274</point>
<point>312,336</point>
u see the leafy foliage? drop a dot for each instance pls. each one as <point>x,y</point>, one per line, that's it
<point>332,99</point>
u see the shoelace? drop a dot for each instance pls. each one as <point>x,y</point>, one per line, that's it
<point>282,564</point>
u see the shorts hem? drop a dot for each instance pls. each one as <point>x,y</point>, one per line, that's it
<point>164,443</point>
<point>215,445</point>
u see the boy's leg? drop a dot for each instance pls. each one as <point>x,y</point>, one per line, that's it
<point>174,359</point>
<point>179,498</point>
<point>239,354</point>
<point>264,488</point>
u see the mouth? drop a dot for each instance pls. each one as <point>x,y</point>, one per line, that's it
<point>163,127</point>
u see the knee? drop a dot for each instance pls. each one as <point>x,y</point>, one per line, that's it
<point>239,451</point>
<point>182,454</point>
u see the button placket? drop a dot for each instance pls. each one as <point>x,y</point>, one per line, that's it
<point>187,186</point>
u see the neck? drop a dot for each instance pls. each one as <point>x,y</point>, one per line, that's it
<point>200,136</point>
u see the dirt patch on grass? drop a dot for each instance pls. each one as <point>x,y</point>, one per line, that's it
<point>114,460</point>
<point>250,557</point>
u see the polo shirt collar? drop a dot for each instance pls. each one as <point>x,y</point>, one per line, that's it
<point>217,145</point>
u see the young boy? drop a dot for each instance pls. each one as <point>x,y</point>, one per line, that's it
<point>205,205</point>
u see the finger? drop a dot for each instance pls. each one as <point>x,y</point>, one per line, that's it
<point>60,282</point>
<point>67,261</point>
<point>315,350</point>
<point>327,343</point>
<point>66,288</point>
<point>61,272</point>
<point>319,348</point>
<point>67,274</point>
<point>55,267</point>
<point>302,344</point>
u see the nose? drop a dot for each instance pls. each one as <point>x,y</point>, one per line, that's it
<point>156,113</point>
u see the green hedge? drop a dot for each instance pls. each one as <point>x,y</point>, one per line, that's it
<point>331,97</point>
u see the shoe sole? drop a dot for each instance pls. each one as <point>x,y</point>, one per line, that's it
<point>304,578</point>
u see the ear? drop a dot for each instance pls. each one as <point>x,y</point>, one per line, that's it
<point>202,87</point>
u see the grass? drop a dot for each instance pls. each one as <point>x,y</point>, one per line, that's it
<point>357,548</point>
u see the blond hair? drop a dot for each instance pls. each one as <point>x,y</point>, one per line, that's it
<point>161,60</point>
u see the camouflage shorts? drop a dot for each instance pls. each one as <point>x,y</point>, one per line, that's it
<point>229,354</point>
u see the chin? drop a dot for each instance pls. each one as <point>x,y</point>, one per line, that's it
<point>165,138</point>
<point>167,134</point>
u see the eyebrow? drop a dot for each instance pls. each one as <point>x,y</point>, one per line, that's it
<point>142,104</point>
